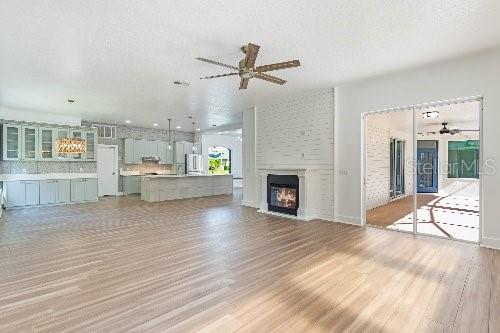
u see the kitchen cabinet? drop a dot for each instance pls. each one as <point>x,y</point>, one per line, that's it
<point>11,142</point>
<point>60,133</point>
<point>161,151</point>
<point>128,157</point>
<point>63,191</point>
<point>135,150</point>
<point>131,185</point>
<point>91,142</point>
<point>46,143</point>
<point>83,190</point>
<point>29,143</point>
<point>55,191</point>
<point>181,149</point>
<point>76,134</point>
<point>22,193</point>
<point>48,192</point>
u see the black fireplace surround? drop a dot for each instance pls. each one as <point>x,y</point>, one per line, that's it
<point>283,194</point>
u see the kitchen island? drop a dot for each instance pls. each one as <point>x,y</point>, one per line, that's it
<point>170,187</point>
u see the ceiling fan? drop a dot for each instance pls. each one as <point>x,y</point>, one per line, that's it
<point>246,68</point>
<point>446,130</point>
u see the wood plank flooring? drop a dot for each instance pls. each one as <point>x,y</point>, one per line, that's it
<point>211,265</point>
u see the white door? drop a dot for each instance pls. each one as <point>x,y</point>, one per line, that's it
<point>107,170</point>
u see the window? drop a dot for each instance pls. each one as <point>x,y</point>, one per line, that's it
<point>463,159</point>
<point>105,131</point>
<point>219,160</point>
<point>397,167</point>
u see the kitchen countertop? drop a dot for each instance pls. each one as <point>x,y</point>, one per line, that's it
<point>45,176</point>
<point>127,173</point>
<point>181,176</point>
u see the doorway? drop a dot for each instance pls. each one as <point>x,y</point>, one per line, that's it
<point>436,191</point>
<point>107,170</point>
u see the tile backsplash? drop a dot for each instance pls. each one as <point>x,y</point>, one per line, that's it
<point>10,167</point>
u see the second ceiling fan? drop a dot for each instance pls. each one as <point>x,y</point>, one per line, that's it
<point>247,70</point>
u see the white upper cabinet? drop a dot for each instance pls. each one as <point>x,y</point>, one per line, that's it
<point>46,146</point>
<point>11,142</point>
<point>60,133</point>
<point>38,143</point>
<point>29,143</point>
<point>76,134</point>
<point>91,141</point>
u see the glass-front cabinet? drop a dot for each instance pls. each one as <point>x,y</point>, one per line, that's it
<point>46,143</point>
<point>76,134</point>
<point>11,142</point>
<point>38,143</point>
<point>29,143</point>
<point>60,133</point>
<point>91,142</point>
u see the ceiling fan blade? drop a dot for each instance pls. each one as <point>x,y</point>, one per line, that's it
<point>216,76</point>
<point>468,130</point>
<point>213,62</point>
<point>244,83</point>
<point>251,52</point>
<point>279,65</point>
<point>269,78</point>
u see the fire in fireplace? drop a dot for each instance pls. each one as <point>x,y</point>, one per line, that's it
<point>283,196</point>
<point>283,193</point>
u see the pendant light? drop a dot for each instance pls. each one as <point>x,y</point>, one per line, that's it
<point>193,148</point>
<point>169,135</point>
<point>71,146</point>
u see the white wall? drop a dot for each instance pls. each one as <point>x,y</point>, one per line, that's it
<point>377,166</point>
<point>471,76</point>
<point>228,141</point>
<point>296,132</point>
<point>250,180</point>
<point>38,117</point>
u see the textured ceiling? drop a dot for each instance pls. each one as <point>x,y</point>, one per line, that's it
<point>118,59</point>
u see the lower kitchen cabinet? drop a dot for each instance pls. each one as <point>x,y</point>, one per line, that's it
<point>49,192</point>
<point>83,190</point>
<point>22,193</point>
<point>131,185</point>
<point>55,191</point>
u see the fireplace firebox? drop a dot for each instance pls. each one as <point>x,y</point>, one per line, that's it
<point>283,194</point>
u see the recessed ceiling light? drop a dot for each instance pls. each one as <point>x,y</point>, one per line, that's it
<point>178,127</point>
<point>430,114</point>
<point>71,100</point>
<point>127,121</point>
<point>155,124</point>
<point>198,129</point>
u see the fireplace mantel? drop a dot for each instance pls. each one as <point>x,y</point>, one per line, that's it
<point>306,209</point>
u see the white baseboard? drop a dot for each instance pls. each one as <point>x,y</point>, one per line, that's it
<point>491,243</point>
<point>348,220</point>
<point>249,204</point>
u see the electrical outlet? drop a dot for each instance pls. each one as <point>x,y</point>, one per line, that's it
<point>343,172</point>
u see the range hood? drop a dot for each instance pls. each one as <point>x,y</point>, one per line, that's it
<point>151,159</point>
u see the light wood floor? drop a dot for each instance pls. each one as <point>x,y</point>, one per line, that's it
<point>210,264</point>
<point>394,211</point>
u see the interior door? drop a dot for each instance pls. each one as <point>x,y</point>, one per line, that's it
<point>107,172</point>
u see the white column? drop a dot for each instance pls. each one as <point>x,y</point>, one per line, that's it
<point>249,172</point>
<point>302,210</point>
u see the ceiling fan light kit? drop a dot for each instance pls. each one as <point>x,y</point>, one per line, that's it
<point>246,69</point>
